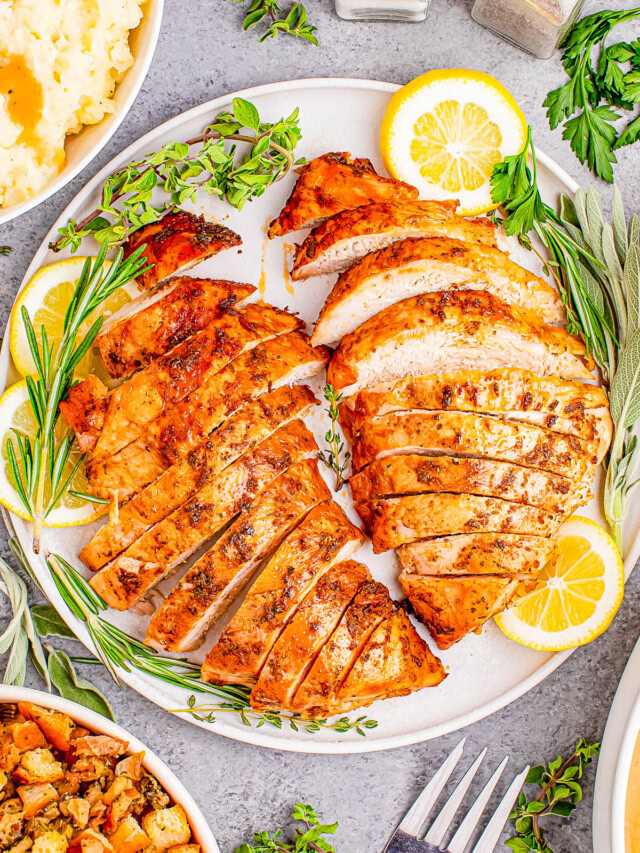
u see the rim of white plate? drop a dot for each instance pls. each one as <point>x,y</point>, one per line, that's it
<point>132,81</point>
<point>97,723</point>
<point>262,737</point>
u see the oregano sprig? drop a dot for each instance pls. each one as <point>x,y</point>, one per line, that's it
<point>559,794</point>
<point>295,23</point>
<point>307,840</point>
<point>209,162</point>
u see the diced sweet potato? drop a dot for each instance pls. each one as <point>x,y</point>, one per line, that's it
<point>39,765</point>
<point>129,837</point>
<point>27,735</point>
<point>50,842</point>
<point>36,797</point>
<point>184,848</point>
<point>3,780</point>
<point>119,784</point>
<point>55,726</point>
<point>167,827</point>
<point>99,745</point>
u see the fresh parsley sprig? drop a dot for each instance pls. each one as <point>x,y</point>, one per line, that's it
<point>586,102</point>
<point>181,169</point>
<point>294,23</point>
<point>331,457</point>
<point>559,794</point>
<point>307,840</point>
<point>38,464</point>
<point>118,650</point>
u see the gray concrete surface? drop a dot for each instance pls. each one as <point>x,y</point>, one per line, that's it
<point>203,53</point>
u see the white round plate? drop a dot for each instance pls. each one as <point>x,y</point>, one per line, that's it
<point>99,724</point>
<point>83,147</point>
<point>618,744</point>
<point>486,672</point>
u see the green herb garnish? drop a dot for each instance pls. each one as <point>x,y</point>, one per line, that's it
<point>38,465</point>
<point>181,169</point>
<point>586,102</point>
<point>294,23</point>
<point>596,265</point>
<point>5,250</point>
<point>331,458</point>
<point>560,793</point>
<point>307,840</point>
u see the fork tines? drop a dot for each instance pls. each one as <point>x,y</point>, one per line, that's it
<point>407,837</point>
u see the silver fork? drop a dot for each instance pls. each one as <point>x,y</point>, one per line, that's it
<point>406,837</point>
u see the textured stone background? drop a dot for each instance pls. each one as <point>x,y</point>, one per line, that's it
<point>202,54</point>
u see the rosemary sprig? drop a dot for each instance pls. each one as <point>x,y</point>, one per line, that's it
<point>294,23</point>
<point>331,458</point>
<point>181,170</point>
<point>559,794</point>
<point>118,650</point>
<point>5,250</point>
<point>38,465</point>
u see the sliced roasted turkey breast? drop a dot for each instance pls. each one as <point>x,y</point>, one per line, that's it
<point>241,432</point>
<point>477,554</point>
<point>331,183</point>
<point>214,581</point>
<point>441,332</point>
<point>396,521</point>
<point>426,265</point>
<point>465,434</point>
<point>560,405</point>
<point>348,236</point>
<point>322,540</point>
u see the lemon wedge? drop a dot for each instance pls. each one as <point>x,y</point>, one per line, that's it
<point>445,131</point>
<point>578,592</point>
<point>46,297</point>
<point>16,416</point>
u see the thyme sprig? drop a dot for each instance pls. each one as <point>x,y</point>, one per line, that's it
<point>181,169</point>
<point>559,794</point>
<point>295,23</point>
<point>38,464</point>
<point>331,458</point>
<point>596,265</point>
<point>117,650</point>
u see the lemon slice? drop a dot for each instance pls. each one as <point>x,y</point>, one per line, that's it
<point>46,297</point>
<point>445,131</point>
<point>16,415</point>
<point>578,593</point>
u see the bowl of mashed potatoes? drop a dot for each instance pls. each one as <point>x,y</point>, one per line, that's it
<point>69,73</point>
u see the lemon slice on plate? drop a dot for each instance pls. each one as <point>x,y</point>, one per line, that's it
<point>445,131</point>
<point>578,592</point>
<point>46,297</point>
<point>16,415</point>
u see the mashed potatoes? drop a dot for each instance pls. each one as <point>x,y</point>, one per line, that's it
<point>59,63</point>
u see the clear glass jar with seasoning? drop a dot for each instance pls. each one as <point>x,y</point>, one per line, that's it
<point>383,10</point>
<point>537,26</point>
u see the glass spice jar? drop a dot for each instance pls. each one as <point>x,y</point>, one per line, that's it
<point>383,10</point>
<point>537,26</point>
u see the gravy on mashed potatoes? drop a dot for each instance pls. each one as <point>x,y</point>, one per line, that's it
<point>60,61</point>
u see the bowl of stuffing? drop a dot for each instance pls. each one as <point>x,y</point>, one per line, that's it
<point>72,781</point>
<point>69,74</point>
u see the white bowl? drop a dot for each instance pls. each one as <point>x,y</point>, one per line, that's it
<point>621,779</point>
<point>101,725</point>
<point>82,147</point>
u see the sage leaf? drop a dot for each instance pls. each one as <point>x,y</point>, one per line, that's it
<point>610,252</point>
<point>75,688</point>
<point>619,222</point>
<point>35,649</point>
<point>49,623</point>
<point>625,390</point>
<point>631,283</point>
<point>17,663</point>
